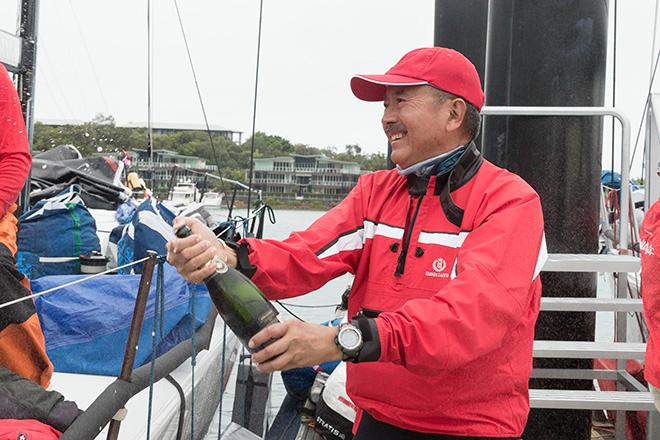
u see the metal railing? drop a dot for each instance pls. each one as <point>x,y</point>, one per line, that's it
<point>621,284</point>
<point>586,111</point>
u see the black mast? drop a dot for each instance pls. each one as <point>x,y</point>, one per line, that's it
<point>544,53</point>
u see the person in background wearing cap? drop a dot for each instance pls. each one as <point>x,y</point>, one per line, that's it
<point>649,235</point>
<point>446,251</point>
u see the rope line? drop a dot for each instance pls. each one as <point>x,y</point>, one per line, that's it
<point>222,378</point>
<point>238,219</point>
<point>193,362</point>
<point>72,283</point>
<point>304,306</point>
<point>155,332</point>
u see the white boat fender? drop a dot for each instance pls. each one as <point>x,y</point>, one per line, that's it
<point>335,412</point>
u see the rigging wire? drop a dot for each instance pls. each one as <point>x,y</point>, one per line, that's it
<point>238,220</point>
<point>614,41</point>
<point>290,312</point>
<point>89,58</point>
<point>254,106</point>
<point>82,102</point>
<point>646,107</point>
<point>199,96</point>
<point>46,61</point>
<point>647,144</point>
<point>150,137</point>
<point>72,283</point>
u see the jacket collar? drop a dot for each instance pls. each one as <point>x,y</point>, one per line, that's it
<point>449,180</point>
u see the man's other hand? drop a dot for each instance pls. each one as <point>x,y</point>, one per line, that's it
<point>298,344</point>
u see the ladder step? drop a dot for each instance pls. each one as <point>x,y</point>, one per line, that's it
<point>578,399</point>
<point>592,304</point>
<point>589,350</point>
<point>591,263</point>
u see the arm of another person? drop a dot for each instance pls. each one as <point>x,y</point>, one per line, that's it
<point>15,159</point>
<point>490,295</point>
<point>650,256</point>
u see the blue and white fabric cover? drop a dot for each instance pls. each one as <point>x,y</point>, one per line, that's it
<point>54,233</point>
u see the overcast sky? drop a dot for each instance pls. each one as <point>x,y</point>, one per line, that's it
<point>92,58</point>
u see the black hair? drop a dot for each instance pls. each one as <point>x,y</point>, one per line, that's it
<point>472,119</point>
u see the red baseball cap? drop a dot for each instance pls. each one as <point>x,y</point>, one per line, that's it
<point>440,67</point>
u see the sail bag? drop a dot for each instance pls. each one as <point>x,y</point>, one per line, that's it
<point>54,233</point>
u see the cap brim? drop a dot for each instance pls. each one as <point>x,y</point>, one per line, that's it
<point>372,87</point>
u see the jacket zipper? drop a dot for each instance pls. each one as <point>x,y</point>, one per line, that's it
<point>401,261</point>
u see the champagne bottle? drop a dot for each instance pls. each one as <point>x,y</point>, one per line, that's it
<point>239,302</point>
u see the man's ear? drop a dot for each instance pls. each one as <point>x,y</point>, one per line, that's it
<point>457,111</point>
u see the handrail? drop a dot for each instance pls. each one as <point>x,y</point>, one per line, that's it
<point>651,182</point>
<point>586,111</point>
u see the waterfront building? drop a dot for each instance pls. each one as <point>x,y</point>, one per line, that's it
<point>303,175</point>
<point>165,162</point>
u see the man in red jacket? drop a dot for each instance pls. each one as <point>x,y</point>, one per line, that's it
<point>446,251</point>
<point>650,247</point>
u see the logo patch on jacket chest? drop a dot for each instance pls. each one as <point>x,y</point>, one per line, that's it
<point>439,265</point>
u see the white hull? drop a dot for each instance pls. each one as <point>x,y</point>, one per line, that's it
<point>83,389</point>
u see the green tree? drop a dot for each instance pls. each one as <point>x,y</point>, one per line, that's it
<point>102,135</point>
<point>98,135</point>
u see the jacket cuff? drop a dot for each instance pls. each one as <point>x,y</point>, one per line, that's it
<point>243,264</point>
<point>370,351</point>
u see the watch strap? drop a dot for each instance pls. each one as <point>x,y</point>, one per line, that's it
<point>370,351</point>
<point>243,264</point>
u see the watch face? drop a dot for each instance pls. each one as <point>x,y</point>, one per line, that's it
<point>349,338</point>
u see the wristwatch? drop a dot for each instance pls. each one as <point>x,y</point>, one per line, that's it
<point>349,340</point>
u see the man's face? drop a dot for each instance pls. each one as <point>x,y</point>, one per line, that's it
<point>414,121</point>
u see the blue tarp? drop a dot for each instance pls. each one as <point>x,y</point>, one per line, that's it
<point>86,326</point>
<point>613,180</point>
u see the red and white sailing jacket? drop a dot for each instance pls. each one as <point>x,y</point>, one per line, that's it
<point>453,266</point>
<point>650,253</point>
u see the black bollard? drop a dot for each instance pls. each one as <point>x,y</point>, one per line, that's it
<point>553,53</point>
